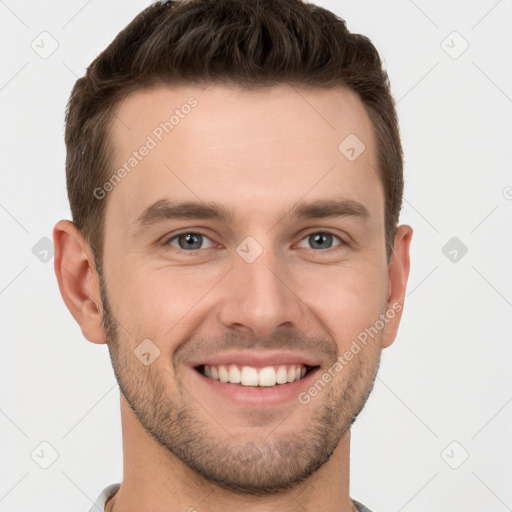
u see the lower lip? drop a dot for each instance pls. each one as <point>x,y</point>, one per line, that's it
<point>258,396</point>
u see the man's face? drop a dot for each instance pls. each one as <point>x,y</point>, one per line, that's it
<point>273,283</point>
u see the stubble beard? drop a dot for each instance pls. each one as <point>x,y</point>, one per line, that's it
<point>260,466</point>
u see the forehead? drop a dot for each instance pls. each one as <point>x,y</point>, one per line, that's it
<point>252,146</point>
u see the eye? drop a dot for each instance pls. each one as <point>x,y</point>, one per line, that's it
<point>189,241</point>
<point>320,240</point>
<point>192,241</point>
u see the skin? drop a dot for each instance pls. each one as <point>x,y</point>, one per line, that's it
<point>258,153</point>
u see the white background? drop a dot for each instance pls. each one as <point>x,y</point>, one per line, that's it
<point>446,378</point>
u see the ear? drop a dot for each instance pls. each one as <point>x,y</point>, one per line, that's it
<point>78,280</point>
<point>398,274</point>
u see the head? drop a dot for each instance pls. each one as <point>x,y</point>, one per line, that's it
<point>234,172</point>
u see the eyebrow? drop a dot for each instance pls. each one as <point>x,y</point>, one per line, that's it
<point>165,209</point>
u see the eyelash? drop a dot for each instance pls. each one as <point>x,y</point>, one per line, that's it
<point>167,245</point>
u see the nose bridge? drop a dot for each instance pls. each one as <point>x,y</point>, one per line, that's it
<point>258,296</point>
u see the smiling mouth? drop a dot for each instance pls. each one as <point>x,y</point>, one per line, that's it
<point>267,376</point>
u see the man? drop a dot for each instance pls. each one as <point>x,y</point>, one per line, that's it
<point>234,170</point>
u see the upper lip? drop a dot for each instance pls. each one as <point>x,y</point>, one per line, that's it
<point>258,359</point>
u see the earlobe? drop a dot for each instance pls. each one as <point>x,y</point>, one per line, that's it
<point>398,274</point>
<point>78,280</point>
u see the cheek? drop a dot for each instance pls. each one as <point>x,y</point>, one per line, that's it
<point>345,301</point>
<point>157,303</point>
<point>164,303</point>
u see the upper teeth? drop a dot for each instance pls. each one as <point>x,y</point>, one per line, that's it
<point>250,376</point>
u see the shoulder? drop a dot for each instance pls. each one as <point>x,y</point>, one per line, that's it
<point>361,507</point>
<point>99,504</point>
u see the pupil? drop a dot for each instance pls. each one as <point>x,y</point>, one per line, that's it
<point>193,241</point>
<point>190,241</point>
<point>321,238</point>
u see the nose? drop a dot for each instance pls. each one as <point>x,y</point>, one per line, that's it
<point>259,297</point>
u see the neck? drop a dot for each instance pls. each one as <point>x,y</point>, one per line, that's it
<point>155,479</point>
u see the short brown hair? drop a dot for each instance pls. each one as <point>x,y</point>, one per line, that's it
<point>247,43</point>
